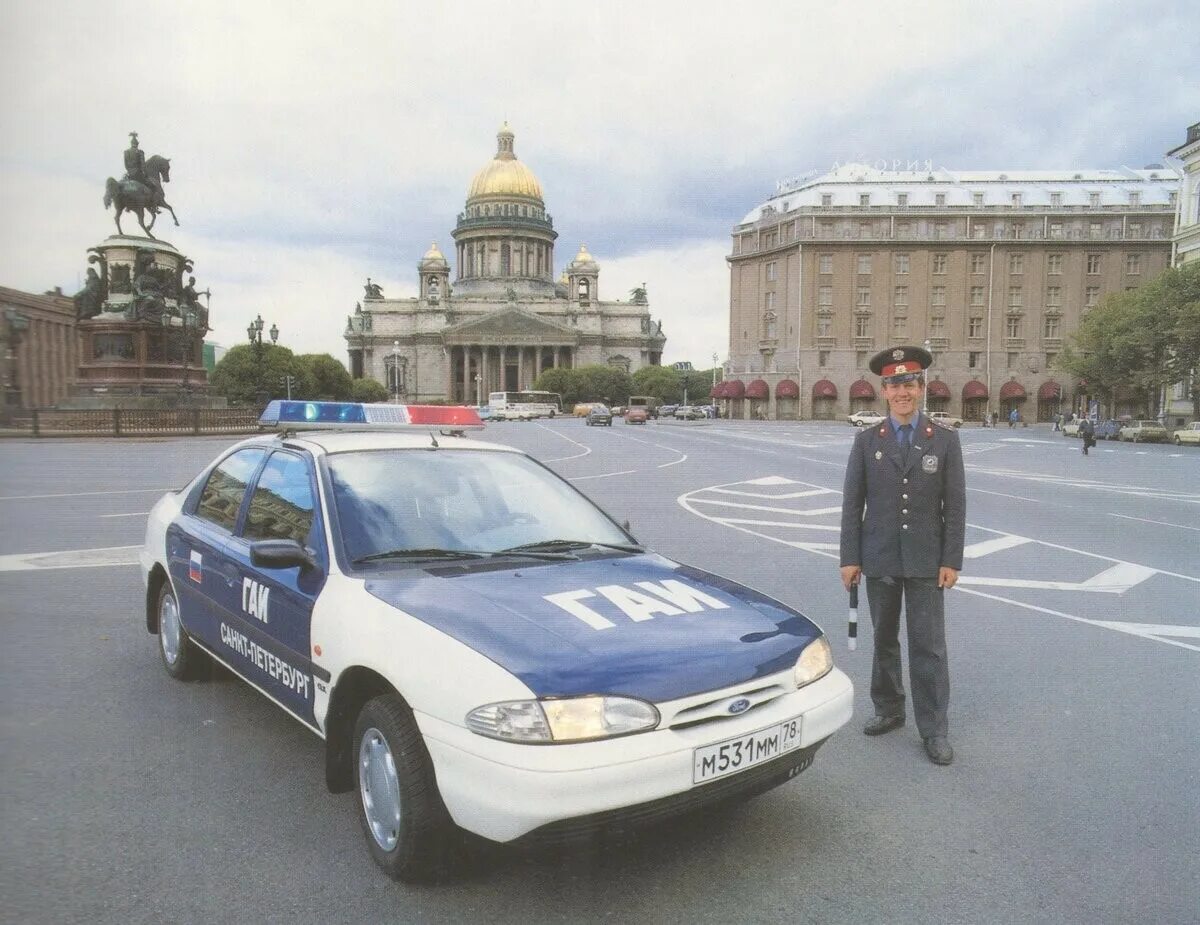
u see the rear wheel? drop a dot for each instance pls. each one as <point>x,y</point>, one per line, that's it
<point>181,658</point>
<point>408,830</point>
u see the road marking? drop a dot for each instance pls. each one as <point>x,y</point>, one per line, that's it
<point>1116,580</point>
<point>603,475</point>
<point>787,497</point>
<point>776,523</point>
<point>80,494</point>
<point>1007,541</point>
<point>1000,494</point>
<point>133,514</point>
<point>70,558</point>
<point>767,507</point>
<point>586,449</point>
<point>1161,523</point>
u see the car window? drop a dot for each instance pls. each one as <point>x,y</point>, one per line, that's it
<point>222,496</point>
<point>281,507</point>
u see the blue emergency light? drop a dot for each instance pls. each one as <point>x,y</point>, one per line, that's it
<point>320,415</point>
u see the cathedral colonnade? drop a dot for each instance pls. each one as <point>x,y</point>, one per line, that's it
<point>499,368</point>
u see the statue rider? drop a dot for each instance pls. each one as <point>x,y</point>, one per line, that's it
<point>135,163</point>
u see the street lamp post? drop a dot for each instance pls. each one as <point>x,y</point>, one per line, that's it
<point>255,331</point>
<point>478,387</point>
<point>714,370</point>
<point>925,382</point>
<point>396,370</point>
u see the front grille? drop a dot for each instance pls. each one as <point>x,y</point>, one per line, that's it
<point>615,823</point>
<point>717,708</point>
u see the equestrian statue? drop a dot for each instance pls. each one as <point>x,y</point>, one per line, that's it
<point>141,189</point>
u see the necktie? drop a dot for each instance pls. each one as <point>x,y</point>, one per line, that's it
<point>905,439</point>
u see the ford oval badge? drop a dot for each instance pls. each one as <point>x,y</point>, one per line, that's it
<point>741,705</point>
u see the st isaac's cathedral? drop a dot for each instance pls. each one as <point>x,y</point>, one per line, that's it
<point>504,318</point>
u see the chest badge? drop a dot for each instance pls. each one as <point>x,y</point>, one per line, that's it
<point>879,454</point>
<point>929,464</point>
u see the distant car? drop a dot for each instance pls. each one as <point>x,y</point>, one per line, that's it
<point>1071,429</point>
<point>1110,429</point>
<point>688,413</point>
<point>945,418</point>
<point>866,418</point>
<point>582,409</point>
<point>667,411</point>
<point>636,415</point>
<point>1143,432</point>
<point>1189,435</point>
<point>599,415</point>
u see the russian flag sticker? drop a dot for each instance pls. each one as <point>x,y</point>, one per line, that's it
<point>196,567</point>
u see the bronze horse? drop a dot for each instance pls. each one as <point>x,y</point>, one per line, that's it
<point>131,196</point>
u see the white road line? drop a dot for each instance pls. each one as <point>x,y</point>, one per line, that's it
<point>1116,580</point>
<point>133,514</point>
<point>586,449</point>
<point>70,558</point>
<point>1000,494</point>
<point>603,475</point>
<point>80,494</point>
<point>767,507</point>
<point>1161,523</point>
<point>776,523</point>
<point>987,547</point>
<point>767,497</point>
<point>1152,629</point>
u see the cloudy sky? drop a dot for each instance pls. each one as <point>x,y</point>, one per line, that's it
<point>313,146</point>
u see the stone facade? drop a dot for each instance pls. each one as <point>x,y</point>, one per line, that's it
<point>993,269</point>
<point>39,349</point>
<point>505,318</point>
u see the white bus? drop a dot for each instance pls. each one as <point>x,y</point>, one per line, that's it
<point>524,406</point>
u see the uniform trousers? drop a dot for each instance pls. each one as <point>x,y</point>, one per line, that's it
<point>928,664</point>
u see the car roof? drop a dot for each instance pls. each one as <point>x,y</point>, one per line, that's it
<point>325,442</point>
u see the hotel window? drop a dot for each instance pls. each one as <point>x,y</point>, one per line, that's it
<point>1091,296</point>
<point>904,230</point>
<point>864,229</point>
<point>940,230</point>
<point>825,263</point>
<point>937,327</point>
<point>902,199</point>
<point>1056,229</point>
<point>860,359</point>
<point>1095,230</point>
<point>823,355</point>
<point>862,326</point>
<point>1093,263</point>
<point>1011,360</point>
<point>1054,297</point>
<point>1016,297</point>
<point>973,359</point>
<point>1016,200</point>
<point>1012,326</point>
<point>771,271</point>
<point>901,296</point>
<point>1094,200</point>
<point>1135,229</point>
<point>1135,199</point>
<point>939,296</point>
<point>1056,199</point>
<point>827,199</point>
<point>770,302</point>
<point>1133,263</point>
<point>1050,358</point>
<point>900,325</point>
<point>978,263</point>
<point>1016,263</point>
<point>1054,264</point>
<point>939,200</point>
<point>1018,231</point>
<point>864,297</point>
<point>976,295</point>
<point>939,263</point>
<point>977,199</point>
<point>864,199</point>
<point>979,231</point>
<point>825,295</point>
<point>824,325</point>
<point>901,264</point>
<point>975,326</point>
<point>864,263</point>
<point>1050,327</point>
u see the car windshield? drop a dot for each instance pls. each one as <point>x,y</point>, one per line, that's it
<point>428,503</point>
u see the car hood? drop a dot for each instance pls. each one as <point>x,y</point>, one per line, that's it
<point>596,626</point>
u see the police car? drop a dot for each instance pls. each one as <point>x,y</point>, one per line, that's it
<point>479,646</point>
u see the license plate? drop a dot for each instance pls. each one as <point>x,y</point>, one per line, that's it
<point>733,755</point>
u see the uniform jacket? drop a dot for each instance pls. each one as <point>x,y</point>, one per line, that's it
<point>904,519</point>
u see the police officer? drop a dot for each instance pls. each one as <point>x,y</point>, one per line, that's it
<point>903,520</point>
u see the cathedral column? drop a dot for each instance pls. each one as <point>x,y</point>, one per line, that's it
<point>466,374</point>
<point>537,361</point>
<point>450,373</point>
<point>484,371</point>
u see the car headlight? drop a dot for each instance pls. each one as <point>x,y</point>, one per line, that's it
<point>577,719</point>
<point>814,662</point>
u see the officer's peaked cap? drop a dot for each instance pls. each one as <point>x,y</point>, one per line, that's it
<point>901,364</point>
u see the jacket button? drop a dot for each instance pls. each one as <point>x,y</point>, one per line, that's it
<point>905,497</point>
<point>904,526</point>
<point>905,481</point>
<point>905,511</point>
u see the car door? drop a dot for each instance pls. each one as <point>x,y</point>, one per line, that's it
<point>196,543</point>
<point>267,623</point>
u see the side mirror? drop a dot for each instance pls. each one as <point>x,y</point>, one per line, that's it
<point>281,554</point>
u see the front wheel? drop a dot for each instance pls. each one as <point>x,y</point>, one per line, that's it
<point>181,658</point>
<point>408,830</point>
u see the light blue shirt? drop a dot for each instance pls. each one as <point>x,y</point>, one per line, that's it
<point>896,425</point>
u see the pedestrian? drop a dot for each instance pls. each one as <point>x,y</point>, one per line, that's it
<point>1013,417</point>
<point>1087,432</point>
<point>903,522</point>
<point>1058,419</point>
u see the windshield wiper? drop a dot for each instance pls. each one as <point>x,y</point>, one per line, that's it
<point>437,553</point>
<point>573,544</point>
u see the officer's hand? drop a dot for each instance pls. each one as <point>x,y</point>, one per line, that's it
<point>947,577</point>
<point>850,575</point>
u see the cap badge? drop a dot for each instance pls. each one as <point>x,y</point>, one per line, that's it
<point>900,368</point>
<point>897,354</point>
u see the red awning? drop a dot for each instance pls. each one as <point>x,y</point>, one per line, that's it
<point>758,389</point>
<point>937,389</point>
<point>717,390</point>
<point>824,389</point>
<point>1012,389</point>
<point>787,388</point>
<point>862,389</point>
<point>1050,390</point>
<point>734,388</point>
<point>974,389</point>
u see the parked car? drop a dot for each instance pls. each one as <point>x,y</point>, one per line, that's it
<point>1110,429</point>
<point>867,418</point>
<point>582,409</point>
<point>945,418</point>
<point>667,411</point>
<point>688,413</point>
<point>1189,435</point>
<point>1143,432</point>
<point>637,415</point>
<point>1071,429</point>
<point>599,415</point>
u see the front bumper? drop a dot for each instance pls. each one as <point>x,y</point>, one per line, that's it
<point>503,791</point>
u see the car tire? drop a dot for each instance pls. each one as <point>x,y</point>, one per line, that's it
<point>1178,442</point>
<point>408,830</point>
<point>180,656</point>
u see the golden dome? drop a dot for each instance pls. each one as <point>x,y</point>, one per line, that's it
<point>583,258</point>
<point>434,254</point>
<point>505,175</point>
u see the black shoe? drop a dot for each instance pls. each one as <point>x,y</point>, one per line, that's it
<point>938,749</point>
<point>878,725</point>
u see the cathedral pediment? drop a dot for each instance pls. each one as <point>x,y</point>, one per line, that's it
<point>512,326</point>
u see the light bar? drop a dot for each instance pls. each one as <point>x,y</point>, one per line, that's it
<point>346,415</point>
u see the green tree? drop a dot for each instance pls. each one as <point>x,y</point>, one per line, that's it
<point>330,379</point>
<point>566,382</point>
<point>660,381</point>
<point>368,390</point>
<point>604,383</point>
<point>698,383</point>
<point>243,378</point>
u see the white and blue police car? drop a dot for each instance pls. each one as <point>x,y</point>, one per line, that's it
<point>480,646</point>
